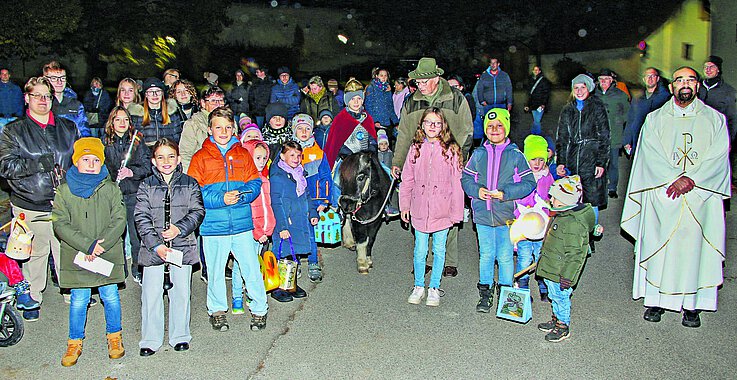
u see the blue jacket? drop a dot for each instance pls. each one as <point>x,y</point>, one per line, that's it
<point>318,174</point>
<point>380,105</point>
<point>640,107</point>
<point>100,104</point>
<point>495,89</point>
<point>71,109</point>
<point>11,100</point>
<point>321,134</point>
<point>288,94</point>
<point>515,180</point>
<point>216,176</point>
<point>292,212</point>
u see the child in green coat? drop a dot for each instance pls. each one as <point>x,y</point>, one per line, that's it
<point>564,252</point>
<point>88,217</point>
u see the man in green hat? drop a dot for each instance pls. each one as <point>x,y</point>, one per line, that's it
<point>434,91</point>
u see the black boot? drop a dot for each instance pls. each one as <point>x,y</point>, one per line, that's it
<point>691,318</point>
<point>485,292</point>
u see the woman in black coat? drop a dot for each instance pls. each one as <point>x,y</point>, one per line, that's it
<point>583,141</point>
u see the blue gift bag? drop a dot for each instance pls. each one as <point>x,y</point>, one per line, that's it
<point>514,304</point>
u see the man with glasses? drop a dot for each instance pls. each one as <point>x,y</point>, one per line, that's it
<point>656,94</point>
<point>674,208</point>
<point>65,102</point>
<point>194,132</point>
<point>35,152</point>
<point>434,91</point>
<point>11,99</point>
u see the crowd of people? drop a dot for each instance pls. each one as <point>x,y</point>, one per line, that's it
<point>179,180</point>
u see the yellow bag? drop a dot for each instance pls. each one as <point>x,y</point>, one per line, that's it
<point>287,269</point>
<point>19,241</point>
<point>270,270</point>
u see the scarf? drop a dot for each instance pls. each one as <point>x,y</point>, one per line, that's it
<point>579,104</point>
<point>382,86</point>
<point>318,96</point>
<point>84,185</point>
<point>305,144</point>
<point>298,174</point>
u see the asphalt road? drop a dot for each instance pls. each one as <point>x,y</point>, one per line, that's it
<point>361,326</point>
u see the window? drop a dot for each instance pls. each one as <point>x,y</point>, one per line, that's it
<point>687,51</point>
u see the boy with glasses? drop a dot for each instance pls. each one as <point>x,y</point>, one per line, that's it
<point>65,103</point>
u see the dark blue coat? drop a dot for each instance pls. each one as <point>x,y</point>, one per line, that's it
<point>288,94</point>
<point>640,107</point>
<point>292,212</point>
<point>380,105</point>
<point>11,100</point>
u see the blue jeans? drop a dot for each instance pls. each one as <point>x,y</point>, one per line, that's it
<point>217,249</point>
<point>237,281</point>
<point>560,300</point>
<point>537,128</point>
<point>78,310</point>
<point>526,252</point>
<point>420,256</point>
<point>495,245</point>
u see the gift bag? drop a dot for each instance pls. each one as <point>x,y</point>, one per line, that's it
<point>515,304</point>
<point>269,270</point>
<point>19,240</point>
<point>328,228</point>
<point>287,269</point>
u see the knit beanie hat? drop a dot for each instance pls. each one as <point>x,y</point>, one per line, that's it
<point>244,120</point>
<point>325,112</point>
<point>585,79</point>
<point>500,114</point>
<point>88,145</point>
<point>717,61</point>
<point>536,147</point>
<point>250,127</point>
<point>276,109</point>
<point>568,191</point>
<point>152,83</point>
<point>282,70</point>
<point>302,119</point>
<point>332,83</point>
<point>316,80</point>
<point>381,136</point>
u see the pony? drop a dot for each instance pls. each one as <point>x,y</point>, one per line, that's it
<point>365,189</point>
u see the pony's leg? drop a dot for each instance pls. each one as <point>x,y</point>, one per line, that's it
<point>348,240</point>
<point>361,249</point>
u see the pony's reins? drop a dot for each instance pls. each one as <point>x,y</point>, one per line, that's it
<point>381,209</point>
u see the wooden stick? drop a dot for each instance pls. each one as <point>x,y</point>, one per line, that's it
<point>523,271</point>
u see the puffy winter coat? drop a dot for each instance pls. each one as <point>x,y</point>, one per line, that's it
<point>22,142</point>
<point>639,108</point>
<point>495,89</point>
<point>100,104</point>
<point>71,109</point>
<point>583,144</point>
<point>238,98</point>
<point>186,212</point>
<point>617,107</point>
<point>539,92</point>
<point>431,188</point>
<point>287,94</point>
<point>156,128</point>
<point>292,212</point>
<point>218,173</point>
<point>194,133</point>
<point>263,215</point>
<point>566,244</point>
<point>259,96</point>
<point>380,104</point>
<point>513,177</point>
<point>139,162</point>
<point>79,223</point>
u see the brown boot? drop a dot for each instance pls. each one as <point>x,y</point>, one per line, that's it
<point>115,348</point>
<point>74,350</point>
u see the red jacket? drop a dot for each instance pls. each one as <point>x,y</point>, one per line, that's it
<point>261,211</point>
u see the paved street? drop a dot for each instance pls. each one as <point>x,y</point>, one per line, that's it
<point>360,326</point>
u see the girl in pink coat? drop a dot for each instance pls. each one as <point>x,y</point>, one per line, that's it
<point>431,194</point>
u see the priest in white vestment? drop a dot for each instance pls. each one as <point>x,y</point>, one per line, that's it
<point>674,205</point>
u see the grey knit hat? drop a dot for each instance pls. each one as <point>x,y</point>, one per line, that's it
<point>585,79</point>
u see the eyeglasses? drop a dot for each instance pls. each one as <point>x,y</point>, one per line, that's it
<point>62,78</point>
<point>215,101</point>
<point>422,82</point>
<point>650,76</point>
<point>710,67</point>
<point>38,96</point>
<point>685,80</point>
<point>429,123</point>
<point>153,92</point>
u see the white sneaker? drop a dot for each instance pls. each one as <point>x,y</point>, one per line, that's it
<point>433,297</point>
<point>416,297</point>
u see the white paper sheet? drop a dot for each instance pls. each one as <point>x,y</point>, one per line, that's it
<point>98,265</point>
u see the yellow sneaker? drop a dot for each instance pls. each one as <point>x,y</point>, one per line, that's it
<point>115,349</point>
<point>74,350</point>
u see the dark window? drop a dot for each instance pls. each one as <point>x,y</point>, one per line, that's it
<point>687,51</point>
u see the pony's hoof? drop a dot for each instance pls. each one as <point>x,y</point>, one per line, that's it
<point>350,247</point>
<point>363,270</point>
<point>369,263</point>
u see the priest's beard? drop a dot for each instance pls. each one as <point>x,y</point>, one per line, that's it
<point>685,96</point>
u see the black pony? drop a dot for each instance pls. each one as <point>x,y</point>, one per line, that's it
<point>364,187</point>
